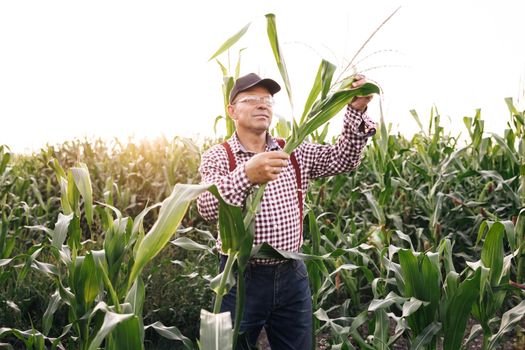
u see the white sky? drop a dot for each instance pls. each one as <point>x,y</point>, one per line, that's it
<point>74,69</point>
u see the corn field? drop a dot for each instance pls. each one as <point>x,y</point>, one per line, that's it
<point>422,247</point>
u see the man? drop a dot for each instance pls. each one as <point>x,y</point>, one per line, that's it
<point>278,296</point>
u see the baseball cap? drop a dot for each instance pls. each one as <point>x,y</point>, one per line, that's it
<point>250,80</point>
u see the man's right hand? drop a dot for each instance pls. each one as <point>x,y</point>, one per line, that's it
<point>266,166</point>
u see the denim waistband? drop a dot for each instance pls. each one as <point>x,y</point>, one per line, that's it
<point>258,264</point>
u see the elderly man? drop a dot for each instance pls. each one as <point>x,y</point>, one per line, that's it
<point>278,296</point>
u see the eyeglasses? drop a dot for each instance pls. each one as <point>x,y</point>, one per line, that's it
<point>255,100</point>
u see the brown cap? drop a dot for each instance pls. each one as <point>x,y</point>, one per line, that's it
<point>251,80</point>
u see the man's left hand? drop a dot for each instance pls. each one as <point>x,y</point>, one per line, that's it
<point>360,102</point>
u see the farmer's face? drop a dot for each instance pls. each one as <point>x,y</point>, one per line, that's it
<point>252,110</point>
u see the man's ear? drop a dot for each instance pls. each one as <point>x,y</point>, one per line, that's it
<point>231,112</point>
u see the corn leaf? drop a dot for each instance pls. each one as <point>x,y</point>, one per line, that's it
<point>216,331</point>
<point>277,53</point>
<point>189,244</point>
<point>381,330</point>
<point>321,84</point>
<point>475,332</point>
<point>128,334</point>
<point>325,111</point>
<point>87,284</point>
<point>458,304</point>
<point>171,213</point>
<point>508,320</point>
<point>492,252</point>
<point>111,320</point>
<point>83,182</point>
<point>73,195</point>
<point>60,231</point>
<point>52,307</point>
<point>231,225</point>
<point>426,336</point>
<point>136,296</point>
<point>172,333</point>
<point>411,306</point>
<point>391,298</point>
<point>229,43</point>
<point>64,198</point>
<point>6,157</point>
<point>421,278</point>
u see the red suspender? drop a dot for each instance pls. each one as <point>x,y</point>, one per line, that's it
<point>231,158</point>
<point>295,164</point>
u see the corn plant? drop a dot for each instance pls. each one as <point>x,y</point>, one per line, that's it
<point>494,285</point>
<point>102,289</point>
<point>433,305</point>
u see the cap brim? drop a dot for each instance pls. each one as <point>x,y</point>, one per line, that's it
<point>270,85</point>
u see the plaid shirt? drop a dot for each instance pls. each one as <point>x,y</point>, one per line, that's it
<point>278,222</point>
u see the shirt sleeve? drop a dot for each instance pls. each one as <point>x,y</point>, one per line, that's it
<point>233,186</point>
<point>346,154</point>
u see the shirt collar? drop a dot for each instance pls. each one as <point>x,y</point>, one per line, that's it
<point>236,146</point>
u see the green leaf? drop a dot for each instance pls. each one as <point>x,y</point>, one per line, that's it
<point>171,213</point>
<point>411,306</point>
<point>136,296</point>
<point>128,334</point>
<point>111,320</point>
<point>381,330</point>
<point>426,336</point>
<point>271,29</point>
<point>416,118</point>
<point>188,244</point>
<point>229,43</point>
<point>46,268</point>
<point>220,287</point>
<point>172,333</point>
<point>217,120</point>
<point>266,251</point>
<point>321,83</point>
<point>282,127</point>
<point>88,286</point>
<point>216,331</point>
<point>6,157</point>
<point>422,281</point>
<point>59,171</point>
<point>458,305</point>
<point>72,193</point>
<point>52,306</point>
<point>475,332</point>
<point>83,182</point>
<point>60,230</point>
<point>326,110</point>
<point>391,298</point>
<point>508,323</point>
<point>505,147</point>
<point>234,236</point>
<point>377,211</point>
<point>492,252</point>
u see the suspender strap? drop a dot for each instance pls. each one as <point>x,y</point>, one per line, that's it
<point>231,158</point>
<point>297,169</point>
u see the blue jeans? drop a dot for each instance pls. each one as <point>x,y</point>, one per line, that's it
<point>278,297</point>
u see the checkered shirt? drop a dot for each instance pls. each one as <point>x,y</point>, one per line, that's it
<point>278,222</point>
